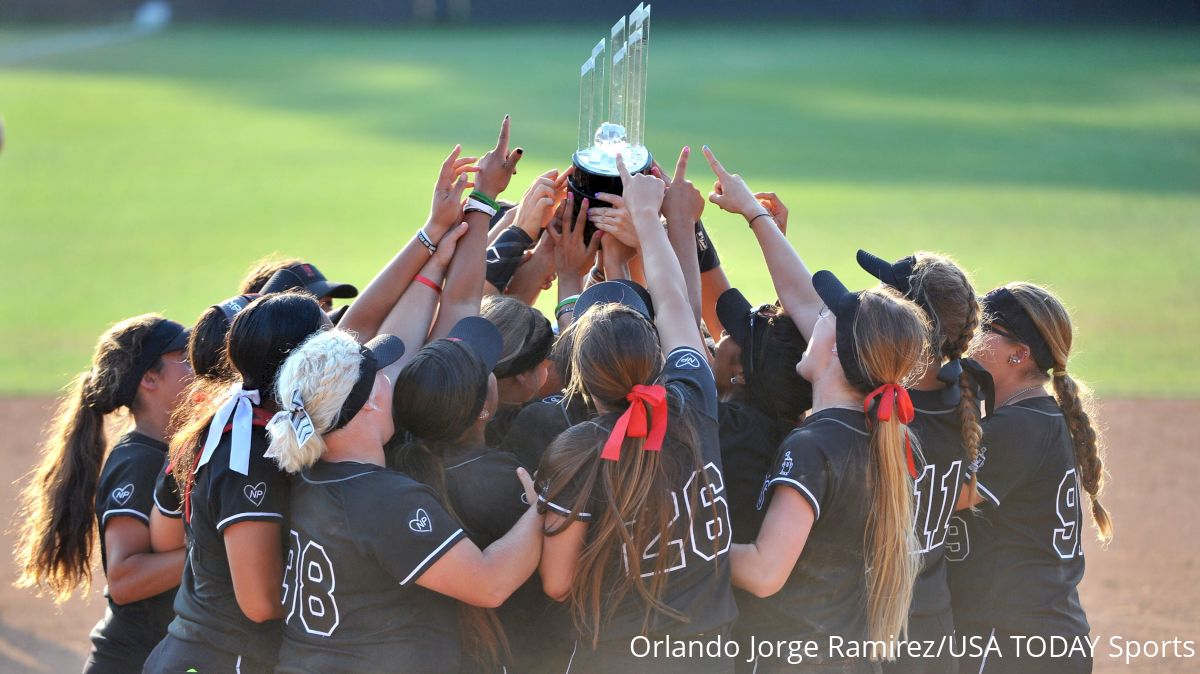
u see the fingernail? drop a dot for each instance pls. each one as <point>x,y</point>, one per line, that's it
<point>708,148</point>
<point>520,151</point>
<point>506,117</point>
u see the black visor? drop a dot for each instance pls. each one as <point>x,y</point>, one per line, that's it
<point>844,305</point>
<point>1001,306</point>
<point>376,355</point>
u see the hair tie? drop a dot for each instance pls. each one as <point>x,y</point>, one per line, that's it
<point>895,397</point>
<point>296,416</point>
<point>633,423</point>
<point>238,407</point>
<point>950,374</point>
<point>1060,373</point>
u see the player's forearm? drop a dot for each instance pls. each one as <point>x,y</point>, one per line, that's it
<point>751,570</point>
<point>411,317</point>
<point>682,235</point>
<point>513,558</point>
<point>673,312</point>
<point>463,289</point>
<point>144,575</point>
<point>791,278</point>
<point>712,284</point>
<point>381,294</point>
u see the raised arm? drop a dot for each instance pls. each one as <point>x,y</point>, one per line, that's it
<point>762,567</point>
<point>411,317</point>
<point>676,323</point>
<point>465,277</point>
<point>572,258</point>
<point>381,294</point>
<point>792,280</point>
<point>682,207</point>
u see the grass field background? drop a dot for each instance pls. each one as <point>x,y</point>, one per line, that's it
<point>145,176</point>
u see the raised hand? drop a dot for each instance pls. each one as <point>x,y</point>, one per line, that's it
<point>683,204</point>
<point>498,165</point>
<point>452,181</point>
<point>774,206</point>
<point>614,220</point>
<point>730,192</point>
<point>571,256</point>
<point>537,206</point>
<point>642,195</point>
<point>447,244</point>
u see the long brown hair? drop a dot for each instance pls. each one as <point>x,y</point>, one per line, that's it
<point>1054,324</point>
<point>614,349</point>
<point>891,339</point>
<point>58,505</point>
<point>943,290</point>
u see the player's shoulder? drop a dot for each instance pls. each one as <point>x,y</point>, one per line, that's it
<point>1022,420</point>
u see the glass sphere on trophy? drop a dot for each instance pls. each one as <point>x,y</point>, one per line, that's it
<point>612,111</point>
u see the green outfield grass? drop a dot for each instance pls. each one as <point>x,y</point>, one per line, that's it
<point>145,176</point>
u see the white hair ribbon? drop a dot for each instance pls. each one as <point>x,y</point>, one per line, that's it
<point>239,406</point>
<point>298,417</point>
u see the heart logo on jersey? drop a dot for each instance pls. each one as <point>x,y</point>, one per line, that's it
<point>688,362</point>
<point>420,522</point>
<point>123,494</point>
<point>255,492</point>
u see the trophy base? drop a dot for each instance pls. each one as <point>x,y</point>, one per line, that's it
<point>586,182</point>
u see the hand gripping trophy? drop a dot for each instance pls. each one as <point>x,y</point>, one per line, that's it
<point>612,110</point>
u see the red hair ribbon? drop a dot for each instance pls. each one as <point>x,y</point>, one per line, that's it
<point>633,423</point>
<point>895,397</point>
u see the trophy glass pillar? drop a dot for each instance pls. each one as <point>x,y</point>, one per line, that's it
<point>612,111</point>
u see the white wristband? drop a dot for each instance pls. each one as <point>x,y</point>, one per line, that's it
<point>476,205</point>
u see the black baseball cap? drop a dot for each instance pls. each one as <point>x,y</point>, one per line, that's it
<point>742,321</point>
<point>287,279</point>
<point>628,293</point>
<point>844,305</point>
<point>166,336</point>
<point>895,274</point>
<point>234,305</point>
<point>316,283</point>
<point>481,337</point>
<point>376,355</point>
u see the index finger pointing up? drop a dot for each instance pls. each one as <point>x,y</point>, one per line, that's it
<point>712,162</point>
<point>681,165</point>
<point>622,170</point>
<point>502,141</point>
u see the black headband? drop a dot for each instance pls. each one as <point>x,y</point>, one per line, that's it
<point>234,305</point>
<point>534,352</point>
<point>164,337</point>
<point>1002,306</point>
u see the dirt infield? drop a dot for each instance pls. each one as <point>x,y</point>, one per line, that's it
<point>1145,587</point>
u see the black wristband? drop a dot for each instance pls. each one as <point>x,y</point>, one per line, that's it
<point>706,250</point>
<point>504,256</point>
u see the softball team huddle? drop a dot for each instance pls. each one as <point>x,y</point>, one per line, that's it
<point>437,478</point>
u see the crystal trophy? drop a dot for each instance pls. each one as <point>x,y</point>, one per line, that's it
<point>612,111</point>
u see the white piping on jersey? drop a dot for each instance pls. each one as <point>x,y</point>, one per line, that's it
<point>340,479</point>
<point>460,465</point>
<point>572,660</point>
<point>238,666</point>
<point>555,506</point>
<point>840,423</point>
<point>808,494</point>
<point>952,410</point>
<point>452,537</point>
<point>241,515</point>
<point>1030,409</point>
<point>987,493</point>
<point>168,513</point>
<point>124,511</point>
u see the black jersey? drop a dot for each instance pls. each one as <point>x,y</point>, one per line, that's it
<point>1021,559</point>
<point>826,460</point>
<point>538,423</point>
<point>698,581</point>
<point>939,433</point>
<point>206,607</point>
<point>360,537</point>
<point>497,429</point>
<point>128,632</point>
<point>167,499</point>
<point>488,497</point>
<point>749,442</point>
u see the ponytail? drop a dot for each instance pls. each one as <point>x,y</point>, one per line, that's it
<point>891,539</point>
<point>1088,457</point>
<point>58,506</point>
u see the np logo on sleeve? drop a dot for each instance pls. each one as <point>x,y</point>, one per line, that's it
<point>786,466</point>
<point>255,493</point>
<point>420,522</point>
<point>688,361</point>
<point>553,400</point>
<point>122,494</point>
